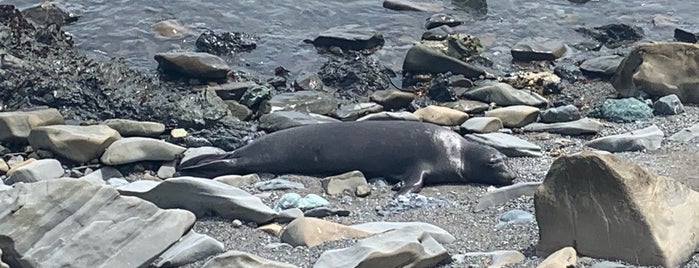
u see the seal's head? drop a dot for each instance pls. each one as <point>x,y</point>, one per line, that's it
<point>490,167</point>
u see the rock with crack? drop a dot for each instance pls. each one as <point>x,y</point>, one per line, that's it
<point>190,248</point>
<point>73,223</point>
<point>239,259</point>
<point>405,247</point>
<point>646,139</point>
<point>203,197</point>
<point>613,209</point>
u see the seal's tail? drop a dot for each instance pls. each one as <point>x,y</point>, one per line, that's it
<point>207,165</point>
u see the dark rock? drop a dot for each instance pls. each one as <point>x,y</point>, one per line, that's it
<point>460,81</point>
<point>668,105</point>
<point>392,99</point>
<point>233,90</point>
<point>322,212</point>
<point>532,49</point>
<point>437,20</point>
<point>468,106</point>
<point>685,36</point>
<point>560,114</point>
<point>309,82</point>
<point>238,110</point>
<point>604,65</point>
<point>622,110</point>
<point>567,71</point>
<point>614,35</point>
<point>474,7</point>
<point>349,37</point>
<point>225,43</point>
<point>255,95</point>
<point>349,112</point>
<point>405,5</point>
<point>48,13</point>
<point>647,139</point>
<point>194,64</point>
<point>579,1</point>
<point>437,34</point>
<point>354,75</point>
<point>423,59</point>
<point>440,90</point>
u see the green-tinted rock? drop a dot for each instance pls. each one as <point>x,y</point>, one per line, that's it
<point>255,95</point>
<point>622,110</point>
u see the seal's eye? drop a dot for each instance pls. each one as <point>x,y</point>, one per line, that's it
<point>494,159</point>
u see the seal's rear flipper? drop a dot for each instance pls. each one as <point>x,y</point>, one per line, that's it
<point>413,183</point>
<point>207,165</point>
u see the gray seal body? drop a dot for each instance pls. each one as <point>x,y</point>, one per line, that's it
<point>413,152</point>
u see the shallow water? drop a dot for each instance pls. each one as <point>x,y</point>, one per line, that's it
<point>121,28</point>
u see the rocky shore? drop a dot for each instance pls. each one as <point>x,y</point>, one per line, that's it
<point>604,147</point>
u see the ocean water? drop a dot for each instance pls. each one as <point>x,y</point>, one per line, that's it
<point>121,28</point>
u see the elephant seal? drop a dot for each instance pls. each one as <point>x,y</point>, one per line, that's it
<point>413,152</point>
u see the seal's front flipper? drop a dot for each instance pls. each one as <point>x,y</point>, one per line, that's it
<point>207,165</point>
<point>413,182</point>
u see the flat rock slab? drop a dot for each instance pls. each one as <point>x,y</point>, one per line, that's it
<point>504,94</point>
<point>239,259</point>
<point>194,64</point>
<point>204,197</point>
<point>77,143</point>
<point>136,149</point>
<point>468,106</point>
<point>504,194</point>
<point>609,208</point>
<point>560,114</point>
<point>537,48</point>
<point>131,128</point>
<point>423,59</point>
<point>441,115</point>
<point>39,170</point>
<point>647,139</point>
<point>515,116</point>
<point>686,134</point>
<point>604,65</point>
<point>439,234</point>
<point>349,37</point>
<point>583,126</point>
<point>287,119</point>
<point>304,101</point>
<point>507,144</point>
<point>73,223</point>
<point>405,5</point>
<point>310,232</point>
<point>190,248</point>
<point>405,247</point>
<point>15,126</point>
<point>481,125</point>
<point>350,112</point>
<point>392,99</point>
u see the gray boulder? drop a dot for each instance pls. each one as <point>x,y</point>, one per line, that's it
<point>507,144</point>
<point>194,64</point>
<point>560,114</point>
<point>239,259</point>
<point>578,127</point>
<point>190,248</point>
<point>504,94</point>
<point>74,223</point>
<point>349,37</point>
<point>647,139</point>
<point>287,119</point>
<point>304,101</point>
<point>481,125</point>
<point>392,99</point>
<point>77,143</point>
<point>423,59</point>
<point>537,48</point>
<point>205,197</point>
<point>686,134</point>
<point>15,126</point>
<point>505,194</point>
<point>136,149</point>
<point>39,170</point>
<point>102,175</point>
<point>405,5</point>
<point>668,105</point>
<point>407,116</point>
<point>130,128</point>
<point>350,112</point>
<point>604,65</point>
<point>467,106</point>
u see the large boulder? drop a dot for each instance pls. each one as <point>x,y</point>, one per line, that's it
<point>504,94</point>
<point>77,143</point>
<point>128,128</point>
<point>660,69</point>
<point>310,232</point>
<point>39,170</point>
<point>16,126</point>
<point>190,248</point>
<point>194,64</point>
<point>135,149</point>
<point>423,59</point>
<point>646,139</point>
<point>74,223</point>
<point>609,208</point>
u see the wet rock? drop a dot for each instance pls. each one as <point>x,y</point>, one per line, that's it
<point>225,43</point>
<point>603,66</point>
<point>504,194</point>
<point>437,20</point>
<point>287,119</point>
<point>583,126</point>
<point>336,185</point>
<point>349,37</point>
<point>515,116</point>
<point>310,232</point>
<point>129,128</point>
<point>48,13</point>
<point>171,28</point>
<point>309,82</point>
<point>255,96</point>
<point>39,170</point>
<point>514,216</point>
<point>686,134</point>
<point>77,143</point>
<point>350,112</point>
<point>498,258</point>
<point>408,246</point>
<point>537,48</point>
<point>574,205</point>
<point>507,144</point>
<point>355,75</point>
<point>305,102</point>
<point>441,115</point>
<point>406,5</point>
<point>647,139</point>
<point>194,64</point>
<point>322,212</point>
<point>239,181</point>
<point>409,202</point>
<point>233,90</point>
<point>622,110</point>
<point>481,125</point>
<point>439,234</point>
<point>423,59</point>
<point>16,126</point>
<point>136,149</point>
<point>190,248</point>
<point>467,106</point>
<point>682,35</point>
<point>668,105</point>
<point>614,35</point>
<point>278,184</point>
<point>91,221</point>
<point>559,114</point>
<point>504,94</point>
<point>407,116</point>
<point>565,257</point>
<point>204,197</point>
<point>102,175</point>
<point>567,71</point>
<point>238,110</point>
<point>234,258</point>
<point>393,99</point>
